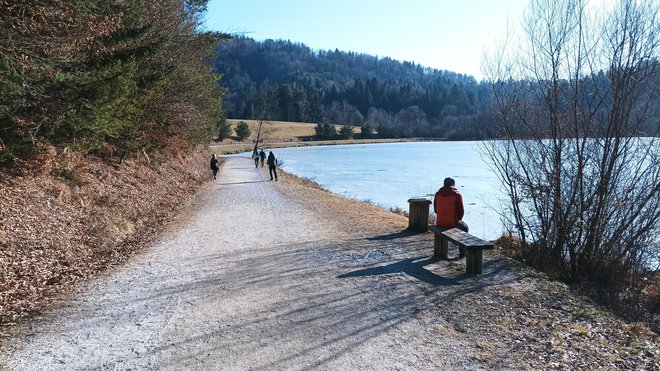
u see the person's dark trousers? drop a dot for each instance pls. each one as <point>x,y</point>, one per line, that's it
<point>256,162</point>
<point>215,172</point>
<point>272,170</point>
<point>464,227</point>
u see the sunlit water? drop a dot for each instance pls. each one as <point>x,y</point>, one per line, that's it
<point>391,173</point>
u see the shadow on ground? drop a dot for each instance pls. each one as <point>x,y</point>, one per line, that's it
<point>325,297</point>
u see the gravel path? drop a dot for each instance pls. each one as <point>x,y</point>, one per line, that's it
<point>258,276</point>
<point>249,280</point>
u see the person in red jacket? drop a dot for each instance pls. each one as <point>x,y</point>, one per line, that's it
<point>448,206</point>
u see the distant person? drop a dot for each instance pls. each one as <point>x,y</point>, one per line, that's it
<point>272,165</point>
<point>214,165</point>
<point>262,157</point>
<point>255,156</point>
<point>448,206</point>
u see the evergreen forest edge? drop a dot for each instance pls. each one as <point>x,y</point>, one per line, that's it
<point>285,81</point>
<point>109,79</point>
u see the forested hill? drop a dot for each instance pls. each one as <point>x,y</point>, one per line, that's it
<point>291,82</point>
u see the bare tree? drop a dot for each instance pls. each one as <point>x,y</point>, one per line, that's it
<point>412,121</point>
<point>264,112</point>
<point>571,100</point>
<point>381,120</point>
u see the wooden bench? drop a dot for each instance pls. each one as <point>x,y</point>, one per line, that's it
<point>470,246</point>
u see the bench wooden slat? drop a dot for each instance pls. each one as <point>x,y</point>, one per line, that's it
<point>473,245</point>
<point>467,240</point>
<point>436,229</point>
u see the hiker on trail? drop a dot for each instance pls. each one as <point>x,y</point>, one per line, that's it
<point>214,165</point>
<point>262,156</point>
<point>448,206</point>
<point>272,164</point>
<point>255,156</point>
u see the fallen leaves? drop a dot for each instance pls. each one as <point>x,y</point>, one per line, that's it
<point>542,324</point>
<point>55,232</point>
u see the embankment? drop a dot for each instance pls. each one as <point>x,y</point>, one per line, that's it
<point>71,217</point>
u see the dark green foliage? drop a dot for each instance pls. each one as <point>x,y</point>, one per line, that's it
<point>343,87</point>
<point>366,131</point>
<point>346,132</point>
<point>396,99</point>
<point>324,130</point>
<point>224,129</point>
<point>243,130</point>
<point>109,77</point>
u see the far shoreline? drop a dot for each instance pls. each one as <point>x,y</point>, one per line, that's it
<point>234,148</point>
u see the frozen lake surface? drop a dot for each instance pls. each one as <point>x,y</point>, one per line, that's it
<point>389,174</point>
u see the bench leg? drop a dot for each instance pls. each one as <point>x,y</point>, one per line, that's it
<point>444,248</point>
<point>474,261</point>
<point>440,247</point>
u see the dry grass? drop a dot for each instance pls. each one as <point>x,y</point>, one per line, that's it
<point>74,217</point>
<point>352,216</point>
<point>281,134</point>
<point>639,301</point>
<point>283,131</point>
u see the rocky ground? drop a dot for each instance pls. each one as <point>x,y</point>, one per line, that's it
<point>260,274</point>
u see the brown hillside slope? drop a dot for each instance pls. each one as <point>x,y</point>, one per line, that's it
<point>75,216</point>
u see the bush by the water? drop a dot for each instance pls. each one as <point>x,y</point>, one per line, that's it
<point>324,130</point>
<point>634,299</point>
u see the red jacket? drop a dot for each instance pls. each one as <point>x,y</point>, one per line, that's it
<point>448,206</point>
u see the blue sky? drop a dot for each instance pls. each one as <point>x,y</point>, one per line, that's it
<point>445,34</point>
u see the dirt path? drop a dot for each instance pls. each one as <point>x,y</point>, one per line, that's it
<point>258,277</point>
<point>251,281</point>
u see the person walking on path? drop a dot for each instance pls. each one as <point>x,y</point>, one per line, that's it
<point>448,206</point>
<point>214,165</point>
<point>272,165</point>
<point>262,156</point>
<point>255,156</point>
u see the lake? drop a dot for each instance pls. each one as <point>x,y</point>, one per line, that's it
<point>388,174</point>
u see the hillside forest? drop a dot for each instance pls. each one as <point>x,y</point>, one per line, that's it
<point>382,95</point>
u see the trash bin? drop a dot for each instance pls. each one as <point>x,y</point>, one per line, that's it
<point>418,214</point>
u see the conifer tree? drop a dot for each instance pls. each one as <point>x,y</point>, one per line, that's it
<point>108,77</point>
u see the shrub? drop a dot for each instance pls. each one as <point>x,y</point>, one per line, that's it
<point>366,131</point>
<point>224,129</point>
<point>324,130</point>
<point>346,132</point>
<point>243,130</point>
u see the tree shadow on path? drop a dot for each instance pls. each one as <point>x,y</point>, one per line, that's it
<point>396,235</point>
<point>413,267</point>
